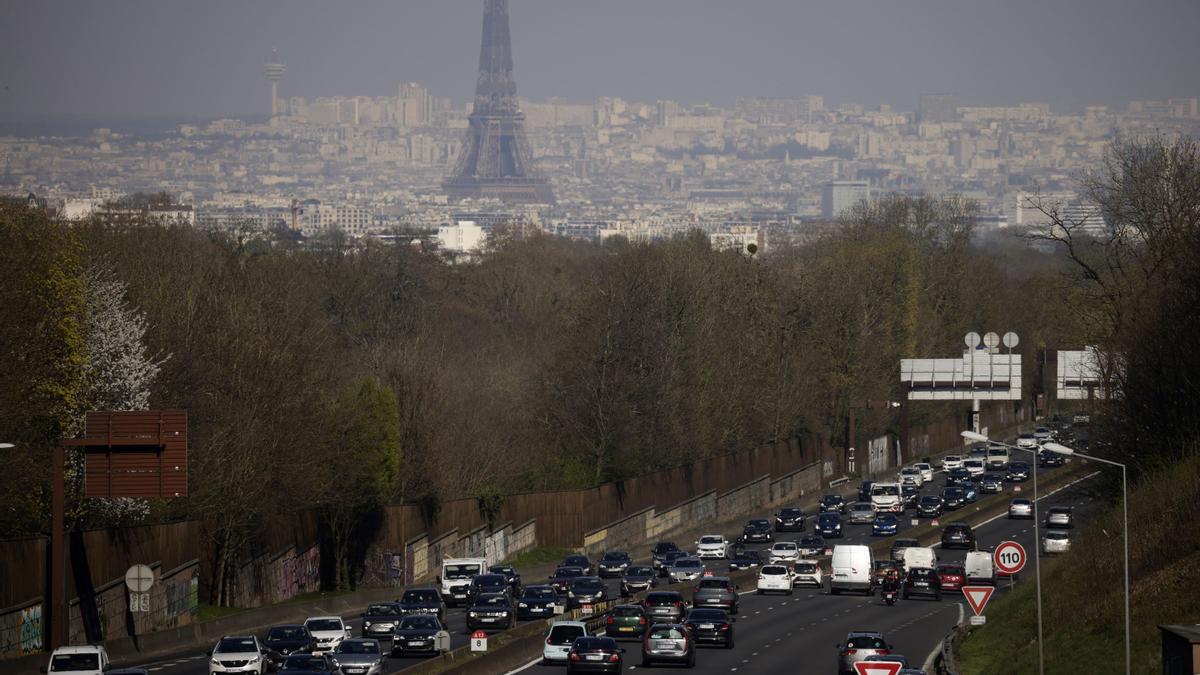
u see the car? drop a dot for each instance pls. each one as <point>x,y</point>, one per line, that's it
<point>930,506</point>
<point>1041,434</point>
<point>810,547</point>
<point>958,475</point>
<point>381,618</point>
<point>79,660</point>
<point>687,568</point>
<point>510,573</point>
<point>970,492</point>
<point>758,529</point>
<point>1081,417</point>
<point>910,475</point>
<point>327,631</point>
<point>637,578</point>
<point>669,561</point>
<point>1028,441</point>
<point>664,606</point>
<point>921,581</point>
<point>1060,517</point>
<point>979,568</point>
<point>1020,508</point>
<point>1018,472</point>
<point>613,564</point>
<point>286,639</point>
<point>898,546</point>
<point>953,498</point>
<point>491,611</point>
<point>789,519</point>
<point>881,567</point>
<point>1056,541</point>
<point>861,513</point>
<point>951,462</point>
<point>951,576</point>
<point>668,643</point>
<point>359,656</point>
<point>1050,459</point>
<point>975,467</point>
<point>774,579</point>
<point>307,664</point>
<point>910,495</point>
<point>857,647</point>
<point>718,592</point>
<point>580,561</point>
<point>919,556</point>
<point>595,654</point>
<point>991,483</point>
<point>711,546</point>
<point>586,591</point>
<point>423,601</point>
<point>561,580</point>
<point>833,503</point>
<point>887,497</point>
<point>537,601</point>
<point>486,584</point>
<point>958,535</point>
<point>658,552</point>
<point>455,580</point>
<point>850,569</point>
<point>997,458</point>
<point>808,573</point>
<point>708,625</point>
<point>626,621</point>
<point>829,524</point>
<point>864,491</point>
<point>420,633</point>
<point>926,470</point>
<point>559,640</point>
<point>885,525</point>
<point>745,560</point>
<point>231,654</point>
<point>785,552</point>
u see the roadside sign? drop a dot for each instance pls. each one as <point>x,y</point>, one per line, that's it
<point>1009,557</point>
<point>139,578</point>
<point>479,641</point>
<point>915,522</point>
<point>935,522</point>
<point>978,620</point>
<point>585,609</point>
<point>559,608</point>
<point>1016,488</point>
<point>978,596</point>
<point>708,573</point>
<point>139,602</point>
<point>877,667</point>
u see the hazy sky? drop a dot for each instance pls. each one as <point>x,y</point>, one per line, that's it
<point>203,58</point>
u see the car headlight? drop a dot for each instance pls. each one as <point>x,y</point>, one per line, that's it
<point>522,605</point>
<point>214,661</point>
<point>255,659</point>
<point>366,624</point>
<point>473,614</point>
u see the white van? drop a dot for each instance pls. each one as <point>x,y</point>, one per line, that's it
<point>850,569</point>
<point>456,577</point>
<point>997,457</point>
<point>978,568</point>
<point>886,498</point>
<point>919,556</point>
<point>81,660</point>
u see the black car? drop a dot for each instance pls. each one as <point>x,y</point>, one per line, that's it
<point>835,503</point>
<point>586,591</point>
<point>745,560</point>
<point>922,581</point>
<point>958,535</point>
<point>594,654</point>
<point>864,491</point>
<point>930,506</point>
<point>669,559</point>
<point>992,483</point>
<point>659,550</point>
<point>789,519</point>
<point>381,618</point>
<point>536,602</point>
<point>637,578</point>
<point>562,578</point>
<point>487,583</point>
<point>417,633</point>
<point>287,639</point>
<point>1051,459</point>
<point>710,625</point>
<point>663,606</point>
<point>829,524</point>
<point>490,610</point>
<point>613,564</point>
<point>580,561</point>
<point>757,530</point>
<point>953,498</point>
<point>1018,472</point>
<point>308,664</point>
<point>423,601</point>
<point>510,573</point>
<point>958,475</point>
<point>910,494</point>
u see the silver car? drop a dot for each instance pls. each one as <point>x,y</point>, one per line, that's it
<point>862,512</point>
<point>688,568</point>
<point>360,656</point>
<point>1060,516</point>
<point>1056,541</point>
<point>668,643</point>
<point>858,646</point>
<point>1020,508</point>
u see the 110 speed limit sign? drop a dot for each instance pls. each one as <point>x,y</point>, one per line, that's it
<point>1009,557</point>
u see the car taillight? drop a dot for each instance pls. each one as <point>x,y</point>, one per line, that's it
<point>677,603</point>
<point>615,658</point>
<point>882,651</point>
<point>574,656</point>
<point>610,621</point>
<point>641,621</point>
<point>851,651</point>
<point>548,641</point>
<point>724,626</point>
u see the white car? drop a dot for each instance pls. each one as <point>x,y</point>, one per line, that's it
<point>808,573</point>
<point>774,579</point>
<point>886,498</point>
<point>951,462</point>
<point>910,475</point>
<point>559,640</point>
<point>327,632</point>
<point>926,470</point>
<point>783,552</point>
<point>711,546</point>
<point>81,660</point>
<point>687,568</point>
<point>1041,434</point>
<point>1056,541</point>
<point>976,467</point>
<point>237,654</point>
<point>1020,508</point>
<point>1027,441</point>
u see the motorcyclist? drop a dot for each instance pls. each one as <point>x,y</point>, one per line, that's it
<point>891,580</point>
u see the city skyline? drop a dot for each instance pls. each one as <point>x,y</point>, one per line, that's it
<point>130,61</point>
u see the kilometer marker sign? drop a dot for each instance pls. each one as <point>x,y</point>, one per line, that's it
<point>1009,557</point>
<point>977,597</point>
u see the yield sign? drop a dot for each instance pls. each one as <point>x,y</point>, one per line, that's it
<point>977,597</point>
<point>877,667</point>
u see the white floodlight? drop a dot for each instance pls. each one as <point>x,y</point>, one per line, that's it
<point>973,436</point>
<point>1060,449</point>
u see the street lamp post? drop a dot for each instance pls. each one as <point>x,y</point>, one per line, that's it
<point>1064,450</point>
<point>1037,557</point>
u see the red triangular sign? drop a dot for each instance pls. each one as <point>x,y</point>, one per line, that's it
<point>877,667</point>
<point>978,596</point>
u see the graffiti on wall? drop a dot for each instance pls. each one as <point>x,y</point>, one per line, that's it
<point>182,594</point>
<point>298,574</point>
<point>29,622</point>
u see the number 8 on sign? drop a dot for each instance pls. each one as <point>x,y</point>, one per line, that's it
<point>1009,557</point>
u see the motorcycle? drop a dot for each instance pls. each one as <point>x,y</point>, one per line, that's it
<point>889,596</point>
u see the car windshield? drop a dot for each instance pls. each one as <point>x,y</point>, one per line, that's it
<point>929,499</point>
<point>538,593</point>
<point>664,546</point>
<point>616,556</point>
<point>492,599</point>
<point>784,546</point>
<point>812,542</point>
<point>490,580</point>
<point>885,519</point>
<point>383,610</point>
<point>806,568</point>
<point>760,523</point>
<point>952,458</point>
<point>502,570</point>
<point>866,642</point>
<point>587,586</point>
<point>666,633</point>
<point>954,492</point>
<point>885,490</point>
<point>662,599</point>
<point>997,452</point>
<point>714,583</point>
<point>828,518</point>
<point>773,571</point>
<point>687,563</point>
<point>831,499</point>
<point>627,610</point>
<point>419,623</point>
<point>304,662</point>
<point>75,662</point>
<point>426,595</point>
<point>1017,466</point>
<point>236,646</point>
<point>1021,502</point>
<point>324,624</point>
<point>358,647</point>
<point>460,571</point>
<point>861,506</point>
<point>568,572</point>
<point>592,644</point>
<point>711,540</point>
<point>287,633</point>
<point>639,571</point>
<point>789,513</point>
<point>1057,535</point>
<point>974,462</point>
<point>565,635</point>
<point>707,615</point>
<point>951,569</point>
<point>576,561</point>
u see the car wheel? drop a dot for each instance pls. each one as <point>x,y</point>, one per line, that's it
<point>789,591</point>
<point>646,663</point>
<point>729,643</point>
<point>758,591</point>
<point>692,661</point>
<point>833,591</point>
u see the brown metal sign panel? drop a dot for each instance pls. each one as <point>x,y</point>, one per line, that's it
<point>134,454</point>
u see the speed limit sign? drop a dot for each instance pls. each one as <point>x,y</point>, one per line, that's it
<point>1009,557</point>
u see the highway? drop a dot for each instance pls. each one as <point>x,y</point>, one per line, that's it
<point>776,633</point>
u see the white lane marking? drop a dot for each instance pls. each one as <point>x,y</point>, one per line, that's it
<point>929,660</point>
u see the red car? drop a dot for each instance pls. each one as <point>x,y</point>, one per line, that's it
<point>952,577</point>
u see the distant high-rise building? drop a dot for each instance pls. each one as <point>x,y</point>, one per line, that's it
<point>275,70</point>
<point>414,105</point>
<point>841,196</point>
<point>938,108</point>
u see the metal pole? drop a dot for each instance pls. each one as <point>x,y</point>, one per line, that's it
<point>1125,508</point>
<point>58,573</point>
<point>1037,564</point>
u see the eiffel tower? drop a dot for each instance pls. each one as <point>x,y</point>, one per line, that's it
<point>495,160</point>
